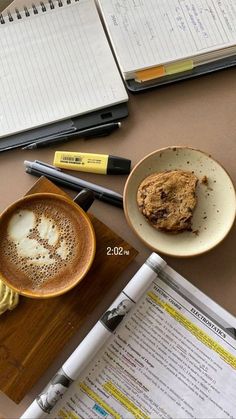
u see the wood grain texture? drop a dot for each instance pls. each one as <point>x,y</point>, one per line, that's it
<point>33,334</point>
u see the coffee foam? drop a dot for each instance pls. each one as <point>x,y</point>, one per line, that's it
<point>20,224</point>
<point>33,252</point>
<point>41,241</point>
<point>48,230</point>
<point>63,250</point>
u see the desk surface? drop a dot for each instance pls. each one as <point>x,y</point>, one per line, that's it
<point>200,113</point>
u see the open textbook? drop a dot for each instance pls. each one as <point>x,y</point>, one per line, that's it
<point>162,350</point>
<point>158,41</point>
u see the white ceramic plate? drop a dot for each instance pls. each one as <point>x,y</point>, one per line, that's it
<point>213,216</point>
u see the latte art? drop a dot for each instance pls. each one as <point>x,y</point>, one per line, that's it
<point>40,244</point>
<point>44,244</point>
<point>19,234</point>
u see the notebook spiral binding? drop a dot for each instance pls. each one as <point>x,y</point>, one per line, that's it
<point>35,10</point>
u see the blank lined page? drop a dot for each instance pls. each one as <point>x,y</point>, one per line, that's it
<point>146,33</point>
<point>54,65</point>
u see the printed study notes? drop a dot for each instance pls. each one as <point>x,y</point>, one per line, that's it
<point>160,39</point>
<point>56,63</point>
<point>162,350</point>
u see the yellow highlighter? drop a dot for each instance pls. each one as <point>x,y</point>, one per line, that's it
<point>93,163</point>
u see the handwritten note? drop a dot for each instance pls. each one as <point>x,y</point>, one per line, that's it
<point>155,32</point>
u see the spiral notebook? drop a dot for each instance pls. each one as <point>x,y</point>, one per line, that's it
<point>160,41</point>
<point>56,64</point>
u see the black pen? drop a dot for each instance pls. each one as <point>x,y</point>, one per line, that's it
<point>98,131</point>
<point>38,168</point>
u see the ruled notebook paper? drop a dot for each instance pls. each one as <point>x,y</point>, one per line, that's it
<point>54,65</point>
<point>147,33</point>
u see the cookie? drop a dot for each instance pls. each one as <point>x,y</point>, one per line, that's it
<point>167,200</point>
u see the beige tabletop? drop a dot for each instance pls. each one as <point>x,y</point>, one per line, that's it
<point>200,113</point>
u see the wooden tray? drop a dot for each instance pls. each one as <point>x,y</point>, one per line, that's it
<point>33,333</point>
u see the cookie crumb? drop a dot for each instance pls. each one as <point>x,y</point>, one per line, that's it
<point>204,180</point>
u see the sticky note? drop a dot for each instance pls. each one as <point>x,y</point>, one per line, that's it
<point>178,67</point>
<point>150,74</point>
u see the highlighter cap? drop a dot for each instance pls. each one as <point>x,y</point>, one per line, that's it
<point>118,166</point>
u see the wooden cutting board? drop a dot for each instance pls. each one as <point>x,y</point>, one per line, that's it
<point>32,335</point>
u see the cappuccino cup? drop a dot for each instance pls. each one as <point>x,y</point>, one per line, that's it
<point>47,244</point>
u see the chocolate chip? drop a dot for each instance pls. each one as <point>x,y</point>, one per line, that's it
<point>163,195</point>
<point>160,214</point>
